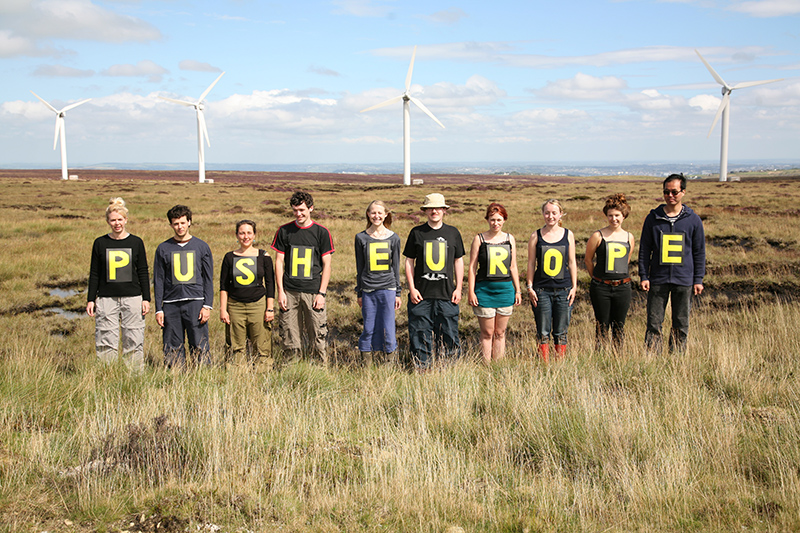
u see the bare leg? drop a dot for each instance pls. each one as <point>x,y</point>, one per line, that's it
<point>499,339</point>
<point>487,336</point>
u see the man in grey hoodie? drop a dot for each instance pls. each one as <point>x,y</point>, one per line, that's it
<point>672,264</point>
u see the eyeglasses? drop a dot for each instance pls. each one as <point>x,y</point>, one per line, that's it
<point>672,192</point>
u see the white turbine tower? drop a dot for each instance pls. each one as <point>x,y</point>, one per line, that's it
<point>406,98</point>
<point>202,131</point>
<point>724,109</point>
<point>61,130</point>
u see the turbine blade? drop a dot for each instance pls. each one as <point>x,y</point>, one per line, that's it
<point>425,110</point>
<point>725,103</point>
<point>73,106</point>
<point>59,126</point>
<point>205,93</point>
<point>53,109</point>
<point>745,84</point>
<point>181,102</point>
<point>411,68</point>
<point>712,71</point>
<point>204,131</point>
<point>383,104</point>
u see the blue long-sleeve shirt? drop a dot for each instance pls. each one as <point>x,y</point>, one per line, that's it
<point>672,252</point>
<point>183,271</point>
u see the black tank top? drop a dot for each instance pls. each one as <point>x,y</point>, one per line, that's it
<point>612,259</point>
<point>552,263</point>
<point>494,260</point>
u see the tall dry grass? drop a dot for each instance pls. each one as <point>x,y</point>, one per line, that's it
<point>706,441</point>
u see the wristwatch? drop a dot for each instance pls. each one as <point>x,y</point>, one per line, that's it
<point>323,294</point>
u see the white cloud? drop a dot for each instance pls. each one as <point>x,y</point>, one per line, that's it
<point>28,26</point>
<point>15,45</point>
<point>61,71</point>
<point>363,8</point>
<point>450,97</point>
<point>448,16</point>
<point>584,87</point>
<point>652,100</point>
<point>147,68</point>
<point>322,71</point>
<point>197,66</point>
<point>511,54</point>
<point>705,102</point>
<point>547,116</point>
<point>767,8</point>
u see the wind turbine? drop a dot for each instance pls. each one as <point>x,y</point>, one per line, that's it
<point>724,109</point>
<point>406,98</point>
<point>61,130</point>
<point>202,131</point>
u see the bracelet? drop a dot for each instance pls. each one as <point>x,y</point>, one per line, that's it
<point>270,310</point>
<point>323,294</point>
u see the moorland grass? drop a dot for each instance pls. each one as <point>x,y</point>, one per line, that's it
<point>628,441</point>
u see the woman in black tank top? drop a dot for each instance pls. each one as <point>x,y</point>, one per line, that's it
<point>608,253</point>
<point>552,279</point>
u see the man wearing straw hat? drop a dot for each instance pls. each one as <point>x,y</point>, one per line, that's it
<point>434,255</point>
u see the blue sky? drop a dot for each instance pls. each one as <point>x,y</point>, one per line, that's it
<point>525,81</point>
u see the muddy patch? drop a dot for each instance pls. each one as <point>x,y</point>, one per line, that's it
<point>68,216</point>
<point>730,241</point>
<point>55,283</point>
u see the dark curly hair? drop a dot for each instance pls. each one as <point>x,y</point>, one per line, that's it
<point>618,202</point>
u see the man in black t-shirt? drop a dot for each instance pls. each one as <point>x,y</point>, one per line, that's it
<point>434,255</point>
<point>302,273</point>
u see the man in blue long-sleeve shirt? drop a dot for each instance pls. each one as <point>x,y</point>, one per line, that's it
<point>672,264</point>
<point>184,290</point>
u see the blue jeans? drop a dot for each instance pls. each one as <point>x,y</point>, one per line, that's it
<point>432,321</point>
<point>552,314</point>
<point>377,310</point>
<point>657,298</point>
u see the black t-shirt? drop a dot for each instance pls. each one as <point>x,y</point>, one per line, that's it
<point>118,268</point>
<point>434,252</point>
<point>302,249</point>
<point>247,278</point>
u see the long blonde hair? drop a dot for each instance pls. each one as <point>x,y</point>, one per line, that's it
<point>116,205</point>
<point>387,221</point>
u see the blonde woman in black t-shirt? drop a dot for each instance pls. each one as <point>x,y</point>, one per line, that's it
<point>119,290</point>
<point>247,298</point>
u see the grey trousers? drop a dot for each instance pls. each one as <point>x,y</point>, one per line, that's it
<point>111,315</point>
<point>301,317</point>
